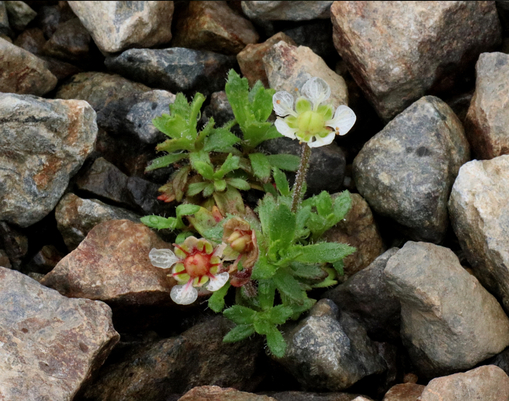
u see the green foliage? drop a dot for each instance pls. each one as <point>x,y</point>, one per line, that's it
<point>172,223</point>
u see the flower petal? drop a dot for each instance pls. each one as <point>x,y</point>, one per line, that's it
<point>343,121</point>
<point>283,103</point>
<point>216,282</point>
<point>319,141</point>
<point>163,258</point>
<point>184,294</point>
<point>316,90</point>
<point>284,129</point>
<point>219,250</point>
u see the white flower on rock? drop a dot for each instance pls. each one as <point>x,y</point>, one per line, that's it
<point>311,121</point>
<point>195,263</point>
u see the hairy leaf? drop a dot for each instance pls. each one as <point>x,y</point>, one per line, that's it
<point>239,333</point>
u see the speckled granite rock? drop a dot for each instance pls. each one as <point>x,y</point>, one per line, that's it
<point>216,393</point>
<point>286,10</point>
<point>213,26</point>
<point>50,345</point>
<point>406,171</point>
<point>23,73</point>
<point>118,25</point>
<point>404,392</point>
<point>480,218</point>
<point>398,60</point>
<point>20,14</point>
<point>43,143</point>
<point>487,121</point>
<point>449,322</point>
<point>112,265</point>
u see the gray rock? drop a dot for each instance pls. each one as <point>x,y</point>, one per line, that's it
<point>76,217</point>
<point>449,322</point>
<point>175,365</point>
<point>32,40</point>
<point>216,393</point>
<point>20,14</point>
<point>70,42</point>
<point>487,121</point>
<point>44,260</point>
<point>43,143</point>
<point>480,218</point>
<point>367,297</point>
<point>5,28</point>
<point>14,244</point>
<point>99,88</point>
<point>329,355</point>
<point>133,115</point>
<point>326,167</point>
<point>118,25</point>
<point>49,17</point>
<point>289,67</point>
<point>175,69</point>
<point>486,383</point>
<point>22,72</point>
<point>398,52</point>
<point>219,108</point>
<point>406,171</point>
<point>307,396</point>
<point>286,10</point>
<point>50,344</point>
<point>317,35</point>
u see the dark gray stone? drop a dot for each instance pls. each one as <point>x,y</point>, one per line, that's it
<point>219,108</point>
<point>367,297</point>
<point>175,69</point>
<point>14,244</point>
<point>328,354</point>
<point>286,10</point>
<point>20,14</point>
<point>49,17</point>
<point>406,171</point>
<point>5,28</point>
<point>70,42</point>
<point>306,396</point>
<point>317,35</point>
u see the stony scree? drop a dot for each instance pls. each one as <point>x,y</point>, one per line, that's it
<point>286,10</point>
<point>71,41</point>
<point>23,73</point>
<point>487,121</point>
<point>389,56</point>
<point>51,345</point>
<point>112,265</point>
<point>43,143</point>
<point>404,392</point>
<point>118,25</point>
<point>480,219</point>
<point>20,14</point>
<point>76,217</point>
<point>449,322</point>
<point>406,171</point>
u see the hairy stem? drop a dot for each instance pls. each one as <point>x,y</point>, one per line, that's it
<point>300,178</point>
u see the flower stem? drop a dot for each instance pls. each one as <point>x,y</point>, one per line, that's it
<point>300,178</point>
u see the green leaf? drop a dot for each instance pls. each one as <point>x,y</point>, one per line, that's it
<point>303,214</point>
<point>281,182</point>
<point>240,314</point>
<point>289,286</point>
<point>237,89</point>
<point>196,187</point>
<point>324,204</point>
<point>239,333</point>
<point>208,190</point>
<point>231,163</point>
<point>239,183</point>
<point>216,300</point>
<point>159,222</point>
<point>306,270</point>
<point>256,132</point>
<point>323,252</point>
<point>220,185</point>
<point>342,205</point>
<point>261,324</point>
<point>194,109</point>
<point>260,165</point>
<point>281,227</point>
<point>269,188</point>
<point>174,145</point>
<point>328,281</point>
<point>279,314</point>
<point>165,161</point>
<point>339,266</point>
<point>298,309</point>
<point>263,269</point>
<point>172,126</point>
<point>182,237</point>
<point>187,209</point>
<point>276,342</point>
<point>284,161</point>
<point>262,101</point>
<point>180,106</point>
<point>220,140</point>
<point>204,169</point>
<point>266,293</point>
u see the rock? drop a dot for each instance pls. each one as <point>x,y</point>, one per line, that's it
<point>357,229</point>
<point>487,383</point>
<point>32,40</point>
<point>480,219</point>
<point>317,35</point>
<point>5,28</point>
<point>22,72</point>
<point>286,10</point>
<point>175,69</point>
<point>406,171</point>
<point>215,393</point>
<point>487,120</point>
<point>4,260</point>
<point>213,26</point>
<point>116,25</point>
<point>326,354</point>
<point>20,14</point>
<point>449,322</point>
<point>14,244</point>
<point>404,392</point>
<point>326,167</point>
<point>43,143</point>
<point>289,67</point>
<point>59,68</point>
<point>133,115</point>
<point>197,357</point>
<point>99,88</point>
<point>51,345</point>
<point>76,217</point>
<point>219,108</point>
<point>70,42</point>
<point>367,297</point>
<point>306,396</point>
<point>44,260</point>
<point>389,56</point>
<point>49,17</point>
<point>250,59</point>
<point>112,265</point>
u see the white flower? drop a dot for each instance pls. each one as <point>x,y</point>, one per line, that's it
<point>195,264</point>
<point>311,121</point>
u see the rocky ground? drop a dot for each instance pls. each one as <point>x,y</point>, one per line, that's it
<point>422,311</point>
